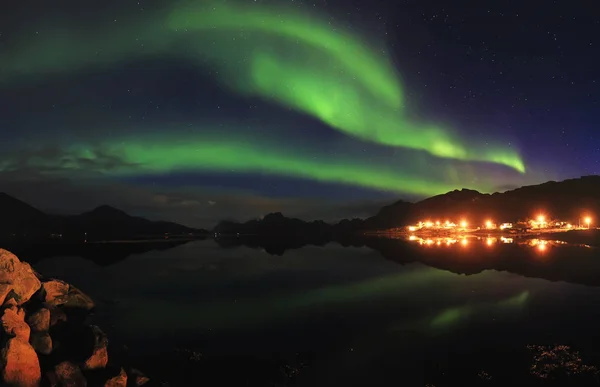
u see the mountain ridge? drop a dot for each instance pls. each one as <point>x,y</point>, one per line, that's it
<point>101,223</point>
<point>567,199</point>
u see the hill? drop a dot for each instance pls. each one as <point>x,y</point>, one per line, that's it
<point>19,217</point>
<point>102,223</point>
<point>274,224</point>
<point>106,222</point>
<point>568,200</point>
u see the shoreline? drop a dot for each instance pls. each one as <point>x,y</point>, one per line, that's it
<point>483,233</point>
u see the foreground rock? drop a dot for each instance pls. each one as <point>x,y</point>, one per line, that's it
<point>139,379</point>
<point>59,293</point>
<point>20,364</point>
<point>41,323</point>
<point>99,356</point>
<point>68,374</point>
<point>18,276</point>
<point>119,380</point>
<point>13,325</point>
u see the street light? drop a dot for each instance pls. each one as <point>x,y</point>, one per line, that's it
<point>588,220</point>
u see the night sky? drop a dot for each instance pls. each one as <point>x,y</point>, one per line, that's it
<point>205,110</point>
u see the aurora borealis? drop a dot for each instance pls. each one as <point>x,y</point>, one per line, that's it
<point>214,101</point>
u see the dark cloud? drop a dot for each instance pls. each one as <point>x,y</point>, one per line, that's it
<point>55,159</point>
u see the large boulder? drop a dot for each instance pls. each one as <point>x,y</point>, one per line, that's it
<point>19,275</point>
<point>39,321</point>
<point>68,374</point>
<point>19,363</point>
<point>41,342</point>
<point>13,325</point>
<point>59,293</point>
<point>57,315</point>
<point>99,356</point>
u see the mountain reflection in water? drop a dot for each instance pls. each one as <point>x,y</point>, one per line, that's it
<point>457,312</point>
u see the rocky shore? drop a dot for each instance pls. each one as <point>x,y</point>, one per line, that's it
<point>45,339</point>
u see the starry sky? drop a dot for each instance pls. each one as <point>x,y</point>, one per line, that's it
<point>201,110</point>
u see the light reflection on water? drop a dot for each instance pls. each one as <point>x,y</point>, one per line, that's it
<point>347,306</point>
<point>540,245</point>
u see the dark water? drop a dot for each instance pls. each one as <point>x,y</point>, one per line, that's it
<point>395,312</point>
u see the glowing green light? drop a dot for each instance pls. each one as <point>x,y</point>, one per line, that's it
<point>450,316</point>
<point>517,301</point>
<point>292,58</point>
<point>170,153</point>
<point>325,72</point>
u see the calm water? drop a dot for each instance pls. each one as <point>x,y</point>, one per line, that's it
<point>351,316</point>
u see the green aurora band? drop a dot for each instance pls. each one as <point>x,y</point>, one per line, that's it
<point>302,62</point>
<point>165,154</point>
<point>452,316</point>
<point>294,59</point>
<point>257,311</point>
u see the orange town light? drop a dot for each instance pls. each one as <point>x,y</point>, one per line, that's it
<point>463,224</point>
<point>488,224</point>
<point>541,218</point>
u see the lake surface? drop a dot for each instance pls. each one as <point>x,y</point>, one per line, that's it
<point>354,315</point>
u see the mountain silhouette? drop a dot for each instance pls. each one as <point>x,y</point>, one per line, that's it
<point>21,218</point>
<point>569,200</point>
<point>101,223</point>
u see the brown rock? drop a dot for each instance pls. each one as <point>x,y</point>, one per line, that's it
<point>41,342</point>
<point>57,315</point>
<point>39,321</point>
<point>119,380</point>
<point>78,299</point>
<point>13,325</point>
<point>10,302</point>
<point>99,357</point>
<point>19,363</point>
<point>56,293</point>
<point>137,377</point>
<point>69,375</point>
<point>4,290</point>
<point>19,274</point>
